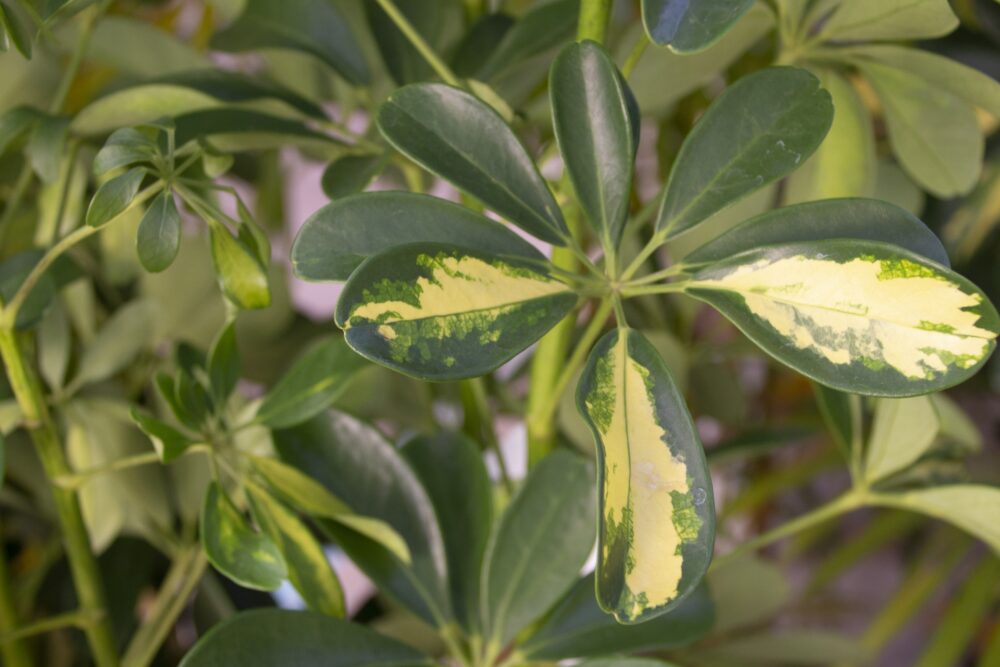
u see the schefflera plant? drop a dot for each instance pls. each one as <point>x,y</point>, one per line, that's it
<point>853,293</point>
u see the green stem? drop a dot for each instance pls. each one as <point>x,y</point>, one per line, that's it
<point>545,411</point>
<point>845,503</point>
<point>479,423</point>
<point>14,651</point>
<point>635,55</point>
<point>641,290</point>
<point>76,480</point>
<point>419,43</point>
<point>593,20</point>
<point>184,575</point>
<point>27,389</point>
<point>73,619</point>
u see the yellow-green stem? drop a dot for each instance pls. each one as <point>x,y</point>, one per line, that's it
<point>14,651</point>
<point>419,43</point>
<point>83,565</point>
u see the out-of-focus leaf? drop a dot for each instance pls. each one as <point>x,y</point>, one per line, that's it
<point>747,592</point>
<point>17,32</point>
<point>351,174</point>
<point>168,442</point>
<point>45,146</point>
<point>224,365</point>
<point>903,429</point>
<point>545,26</point>
<point>863,20</point>
<point>118,342</point>
<point>431,20</point>
<point>140,48</point>
<point>971,507</point>
<point>242,277</point>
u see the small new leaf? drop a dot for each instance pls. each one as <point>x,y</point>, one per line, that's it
<point>242,277</point>
<point>159,237</point>
<point>112,198</point>
<point>169,442</point>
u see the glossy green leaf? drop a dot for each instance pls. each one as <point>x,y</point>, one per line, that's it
<point>159,237</point>
<point>18,33</point>
<point>247,557</point>
<point>308,567</point>
<point>440,312</point>
<point>112,198</point>
<point>431,20</point>
<point>168,442</point>
<point>542,541</point>
<point>231,86</point>
<point>120,340</point>
<point>351,174</point>
<point>350,459</point>
<point>451,469</point>
<point>862,219</point>
<point>316,27</point>
<point>934,133</point>
<point>311,385</point>
<point>242,277</point>
<point>971,507</point>
<point>657,515</point>
<point>124,148</point>
<point>224,364</point>
<point>690,25</point>
<point>859,316</point>
<point>960,80</point>
<point>864,20</point>
<point>543,27</point>
<point>312,498</point>
<point>844,165</point>
<point>282,638</point>
<point>578,628</point>
<point>461,139</point>
<point>902,431</point>
<point>337,238</point>
<point>46,147</point>
<point>761,128</point>
<point>590,115</point>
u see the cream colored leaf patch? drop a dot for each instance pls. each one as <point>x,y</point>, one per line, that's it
<point>856,315</point>
<point>444,313</point>
<point>657,517</point>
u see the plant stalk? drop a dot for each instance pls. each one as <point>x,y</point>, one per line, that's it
<point>14,651</point>
<point>38,420</point>
<point>419,43</point>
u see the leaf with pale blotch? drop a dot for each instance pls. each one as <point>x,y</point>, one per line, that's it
<point>860,316</point>
<point>247,557</point>
<point>657,514</point>
<point>442,313</point>
<point>308,568</point>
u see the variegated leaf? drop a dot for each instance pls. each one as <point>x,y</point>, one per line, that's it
<point>860,316</point>
<point>657,516</point>
<point>440,312</point>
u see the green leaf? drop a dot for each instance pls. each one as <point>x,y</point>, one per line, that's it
<point>748,592</point>
<point>241,276</point>
<point>159,237</point>
<point>168,442</point>
<point>590,115</point>
<point>960,80</point>
<point>451,469</point>
<point>657,515</point>
<point>311,385</point>
<point>126,333</point>
<point>234,128</point>
<point>19,34</point>
<point>687,26</point>
<point>337,238</point>
<point>124,148</point>
<point>902,431</point>
<point>141,48</point>
<point>578,628</point>
<point>761,128</point>
<point>841,412</point>
<point>859,316</point>
<point>786,646</point>
<point>137,105</point>
<point>233,87</point>
<point>862,219</point>
<point>277,637</point>
<point>193,399</point>
<point>439,312</point>
<point>863,20</point>
<point>14,123</point>
<point>543,27</point>
<point>480,42</point>
<point>844,165</point>
<point>934,134</point>
<point>456,136</point>
<point>350,459</point>
<point>316,27</point>
<point>971,507</point>
<point>13,272</point>
<point>308,568</point>
<point>351,174</point>
<point>54,346</point>
<point>249,558</point>
<point>542,541</point>
<point>431,20</point>
<point>224,364</point>
<point>312,498</point>
<point>112,198</point>
<point>46,147</point>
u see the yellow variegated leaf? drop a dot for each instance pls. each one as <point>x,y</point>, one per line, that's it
<point>441,312</point>
<point>860,316</point>
<point>657,516</point>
